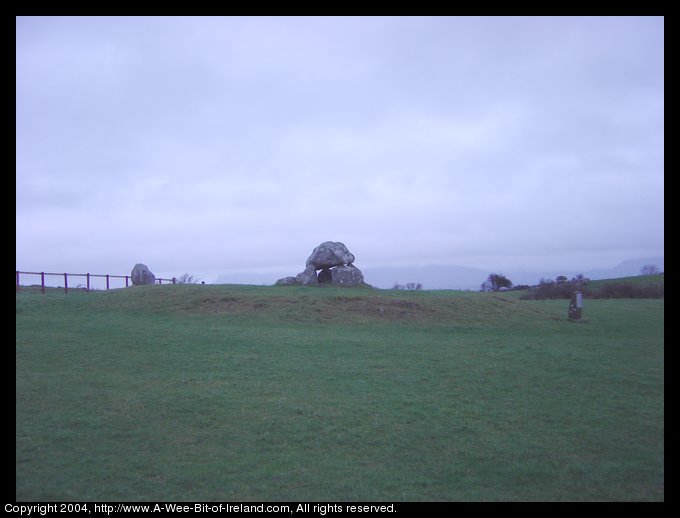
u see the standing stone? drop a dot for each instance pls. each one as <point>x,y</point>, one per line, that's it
<point>142,275</point>
<point>348,275</point>
<point>576,306</point>
<point>329,254</point>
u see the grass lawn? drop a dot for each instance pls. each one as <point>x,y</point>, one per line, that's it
<point>242,393</point>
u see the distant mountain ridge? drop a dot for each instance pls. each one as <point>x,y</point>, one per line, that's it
<point>438,277</point>
<point>467,278</point>
<point>626,268</point>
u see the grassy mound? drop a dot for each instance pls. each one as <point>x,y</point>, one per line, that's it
<point>244,393</point>
<point>312,305</point>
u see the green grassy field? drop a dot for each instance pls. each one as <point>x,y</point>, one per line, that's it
<point>245,393</point>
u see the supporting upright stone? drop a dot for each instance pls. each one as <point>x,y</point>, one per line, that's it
<point>307,277</point>
<point>348,275</point>
<point>325,276</point>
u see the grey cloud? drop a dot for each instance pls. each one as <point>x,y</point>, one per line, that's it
<point>244,142</point>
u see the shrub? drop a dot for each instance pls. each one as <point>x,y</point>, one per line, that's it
<point>560,288</point>
<point>548,289</point>
<point>626,290</point>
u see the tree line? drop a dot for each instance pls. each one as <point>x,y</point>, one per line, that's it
<point>562,287</point>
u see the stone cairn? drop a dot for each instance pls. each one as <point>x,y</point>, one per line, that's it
<point>335,263</point>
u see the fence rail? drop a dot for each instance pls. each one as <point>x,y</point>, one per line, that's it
<point>88,276</point>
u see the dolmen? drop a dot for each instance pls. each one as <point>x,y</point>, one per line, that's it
<point>334,264</point>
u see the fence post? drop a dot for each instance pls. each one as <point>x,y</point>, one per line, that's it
<point>42,282</point>
<point>17,280</point>
<point>66,283</point>
<point>107,281</point>
<point>88,282</point>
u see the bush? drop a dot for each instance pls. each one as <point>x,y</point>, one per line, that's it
<point>549,289</point>
<point>626,290</point>
<point>561,288</point>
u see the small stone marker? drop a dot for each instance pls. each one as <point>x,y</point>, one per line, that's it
<point>576,306</point>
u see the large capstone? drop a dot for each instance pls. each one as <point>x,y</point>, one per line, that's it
<point>330,254</point>
<point>142,275</point>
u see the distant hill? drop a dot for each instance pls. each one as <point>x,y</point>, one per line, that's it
<point>629,268</point>
<point>468,278</point>
<point>431,277</point>
<point>256,278</point>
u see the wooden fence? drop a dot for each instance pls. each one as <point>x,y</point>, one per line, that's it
<point>87,276</point>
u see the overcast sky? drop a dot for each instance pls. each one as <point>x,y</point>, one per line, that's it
<point>213,145</point>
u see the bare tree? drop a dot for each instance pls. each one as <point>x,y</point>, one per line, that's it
<point>187,278</point>
<point>649,269</point>
<point>408,286</point>
<point>496,282</point>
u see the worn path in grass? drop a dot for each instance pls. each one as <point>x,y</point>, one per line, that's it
<point>251,393</point>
